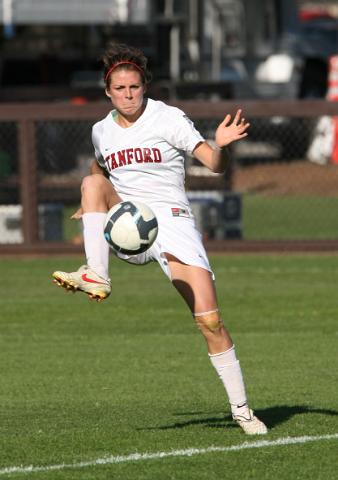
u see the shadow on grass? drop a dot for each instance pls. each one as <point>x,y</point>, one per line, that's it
<point>272,416</point>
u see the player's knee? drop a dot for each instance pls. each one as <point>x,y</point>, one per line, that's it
<point>96,188</point>
<point>93,182</point>
<point>209,321</point>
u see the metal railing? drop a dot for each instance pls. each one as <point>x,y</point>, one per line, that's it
<point>45,149</point>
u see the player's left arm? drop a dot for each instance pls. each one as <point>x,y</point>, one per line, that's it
<point>228,131</point>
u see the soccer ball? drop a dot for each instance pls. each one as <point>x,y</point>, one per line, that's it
<point>130,228</point>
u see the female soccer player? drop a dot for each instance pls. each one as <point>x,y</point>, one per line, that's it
<point>139,149</point>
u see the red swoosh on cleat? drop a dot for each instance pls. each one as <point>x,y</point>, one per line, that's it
<point>86,279</point>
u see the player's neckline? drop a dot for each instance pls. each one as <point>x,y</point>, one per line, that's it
<point>114,117</point>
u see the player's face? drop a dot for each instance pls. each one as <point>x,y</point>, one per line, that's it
<point>126,91</point>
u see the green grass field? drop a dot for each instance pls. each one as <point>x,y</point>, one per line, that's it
<point>82,381</point>
<point>290,217</point>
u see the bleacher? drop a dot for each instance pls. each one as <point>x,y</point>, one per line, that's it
<point>33,12</point>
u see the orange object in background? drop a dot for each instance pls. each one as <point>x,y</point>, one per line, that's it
<point>334,157</point>
<point>332,94</point>
<point>78,100</point>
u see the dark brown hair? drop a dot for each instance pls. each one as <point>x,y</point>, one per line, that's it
<point>117,53</point>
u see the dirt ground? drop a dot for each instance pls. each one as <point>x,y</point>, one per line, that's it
<point>297,177</point>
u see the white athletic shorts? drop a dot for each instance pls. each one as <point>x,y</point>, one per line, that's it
<point>177,235</point>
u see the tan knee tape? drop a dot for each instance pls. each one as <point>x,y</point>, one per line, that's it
<point>209,320</point>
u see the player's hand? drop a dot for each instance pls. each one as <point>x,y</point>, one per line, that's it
<point>230,131</point>
<point>77,215</point>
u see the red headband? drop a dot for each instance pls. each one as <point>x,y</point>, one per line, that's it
<point>123,62</point>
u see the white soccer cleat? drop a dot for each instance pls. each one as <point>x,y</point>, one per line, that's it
<point>250,424</point>
<point>85,280</point>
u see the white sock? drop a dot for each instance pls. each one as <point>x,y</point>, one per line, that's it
<point>229,371</point>
<point>96,246</point>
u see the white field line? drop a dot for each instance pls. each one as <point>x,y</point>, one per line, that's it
<point>189,452</point>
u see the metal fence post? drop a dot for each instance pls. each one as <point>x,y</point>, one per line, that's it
<point>28,181</point>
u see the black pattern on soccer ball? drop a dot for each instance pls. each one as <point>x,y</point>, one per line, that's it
<point>144,227</point>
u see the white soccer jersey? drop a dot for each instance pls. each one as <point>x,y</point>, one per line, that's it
<point>145,162</point>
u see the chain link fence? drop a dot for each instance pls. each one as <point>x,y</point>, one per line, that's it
<point>284,178</point>
<point>281,185</point>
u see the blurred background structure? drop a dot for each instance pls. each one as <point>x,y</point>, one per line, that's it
<point>276,59</point>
